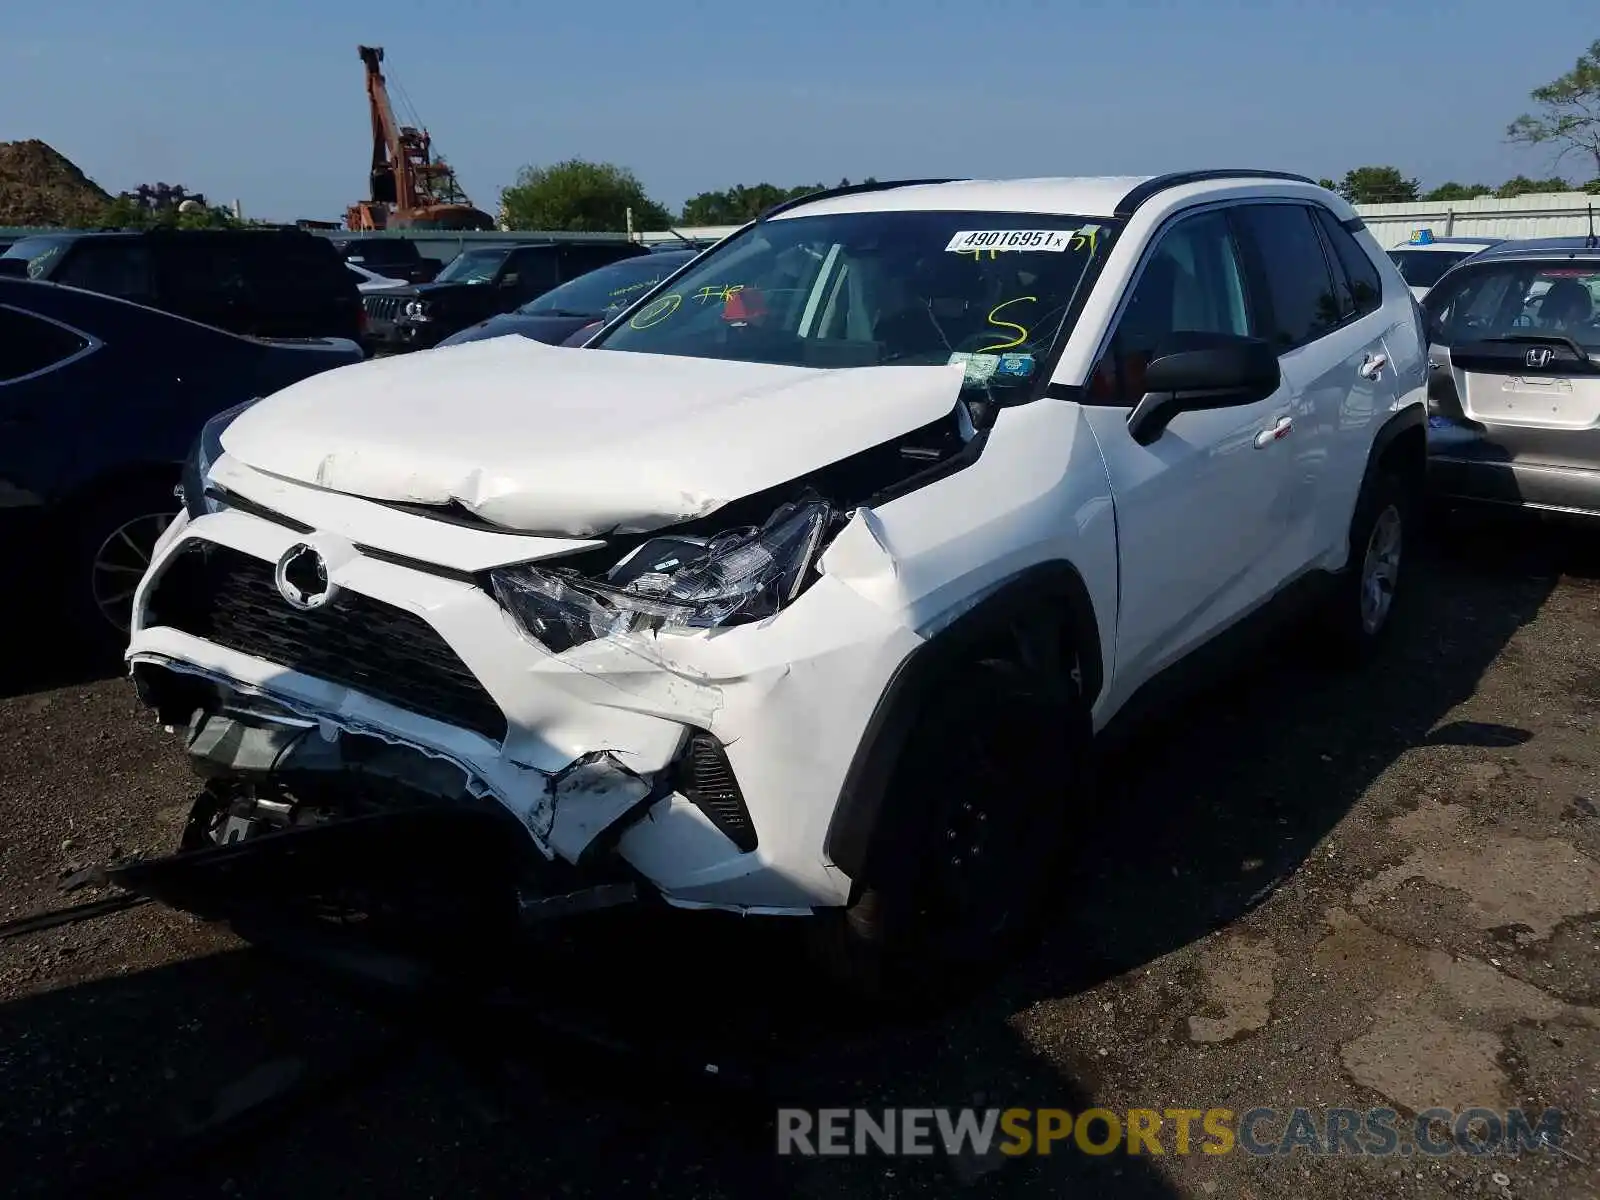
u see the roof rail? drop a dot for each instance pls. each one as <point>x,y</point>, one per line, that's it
<point>849,189</point>
<point>1161,183</point>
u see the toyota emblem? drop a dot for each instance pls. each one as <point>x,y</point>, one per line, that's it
<point>302,577</point>
<point>1539,357</point>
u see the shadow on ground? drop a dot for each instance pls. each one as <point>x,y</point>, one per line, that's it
<point>41,652</point>
<point>126,1085</point>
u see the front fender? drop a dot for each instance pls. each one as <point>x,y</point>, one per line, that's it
<point>1028,526</point>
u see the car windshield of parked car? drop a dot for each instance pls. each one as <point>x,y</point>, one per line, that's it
<point>990,290</point>
<point>38,252</point>
<point>1422,268</point>
<point>472,266</point>
<point>607,290</point>
<point>1512,297</point>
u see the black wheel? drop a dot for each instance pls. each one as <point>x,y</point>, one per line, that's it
<point>1362,603</point>
<point>975,828</point>
<point>107,550</point>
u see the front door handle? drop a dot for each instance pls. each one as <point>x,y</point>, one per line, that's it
<point>1372,365</point>
<point>1275,434</point>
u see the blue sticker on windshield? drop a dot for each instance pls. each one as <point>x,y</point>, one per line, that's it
<point>1015,366</point>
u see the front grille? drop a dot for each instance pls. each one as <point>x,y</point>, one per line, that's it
<point>706,780</point>
<point>229,598</point>
<point>382,308</point>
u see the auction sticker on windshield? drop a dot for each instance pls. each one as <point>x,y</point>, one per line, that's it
<point>1054,240</point>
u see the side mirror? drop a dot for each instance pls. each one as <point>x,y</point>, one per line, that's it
<point>17,267</point>
<point>1194,371</point>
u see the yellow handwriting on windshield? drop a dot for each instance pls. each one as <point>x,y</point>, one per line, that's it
<point>1022,330</point>
<point>1087,236</point>
<point>656,311</point>
<point>718,291</point>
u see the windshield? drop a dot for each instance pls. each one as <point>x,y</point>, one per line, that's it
<point>990,290</point>
<point>39,253</point>
<point>1512,297</point>
<point>473,266</point>
<point>1422,268</point>
<point>606,290</point>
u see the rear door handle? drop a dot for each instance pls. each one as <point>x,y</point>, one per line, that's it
<point>1372,366</point>
<point>1274,434</point>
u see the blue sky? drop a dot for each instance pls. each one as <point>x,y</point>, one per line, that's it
<point>263,100</point>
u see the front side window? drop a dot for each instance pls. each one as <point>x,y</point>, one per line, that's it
<point>606,291</point>
<point>29,344</point>
<point>472,266</point>
<point>1514,297</point>
<point>1303,299</point>
<point>989,290</point>
<point>1192,282</point>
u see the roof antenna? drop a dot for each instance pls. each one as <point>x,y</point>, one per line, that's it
<point>1591,241</point>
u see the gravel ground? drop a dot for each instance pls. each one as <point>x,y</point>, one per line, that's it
<point>1348,890</point>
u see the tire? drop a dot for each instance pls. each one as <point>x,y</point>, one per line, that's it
<point>1361,606</point>
<point>106,547</point>
<point>962,870</point>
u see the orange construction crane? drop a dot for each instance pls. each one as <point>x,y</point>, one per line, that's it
<point>409,188</point>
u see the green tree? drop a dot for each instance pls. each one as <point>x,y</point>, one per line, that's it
<point>1569,112</point>
<point>1377,185</point>
<point>162,206</point>
<point>1328,183</point>
<point>1523,186</point>
<point>1459,191</point>
<point>582,197</point>
<point>742,203</point>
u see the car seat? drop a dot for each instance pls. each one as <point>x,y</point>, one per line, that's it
<point>1566,304</point>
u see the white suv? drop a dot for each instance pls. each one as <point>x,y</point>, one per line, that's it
<point>806,586</point>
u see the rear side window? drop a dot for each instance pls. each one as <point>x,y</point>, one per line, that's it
<point>1360,287</point>
<point>1423,268</point>
<point>110,266</point>
<point>29,344</point>
<point>1301,294</point>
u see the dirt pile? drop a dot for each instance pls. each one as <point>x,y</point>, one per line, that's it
<point>40,187</point>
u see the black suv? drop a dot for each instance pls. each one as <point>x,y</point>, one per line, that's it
<point>394,257</point>
<point>272,283</point>
<point>478,283</point>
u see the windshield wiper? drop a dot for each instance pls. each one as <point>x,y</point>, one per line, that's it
<point>557,312</point>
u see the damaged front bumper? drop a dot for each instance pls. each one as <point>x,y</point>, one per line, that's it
<point>609,753</point>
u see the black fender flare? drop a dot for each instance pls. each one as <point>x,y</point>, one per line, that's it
<point>860,809</point>
<point>1412,416</point>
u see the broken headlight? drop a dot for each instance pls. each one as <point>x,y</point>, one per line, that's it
<point>671,583</point>
<point>191,490</point>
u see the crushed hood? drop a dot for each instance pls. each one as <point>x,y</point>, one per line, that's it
<point>577,443</point>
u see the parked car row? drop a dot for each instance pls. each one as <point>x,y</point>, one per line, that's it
<point>481,282</point>
<point>795,576</point>
<point>274,283</point>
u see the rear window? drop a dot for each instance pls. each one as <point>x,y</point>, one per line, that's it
<point>1513,296</point>
<point>40,253</point>
<point>381,250</point>
<point>1423,268</point>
